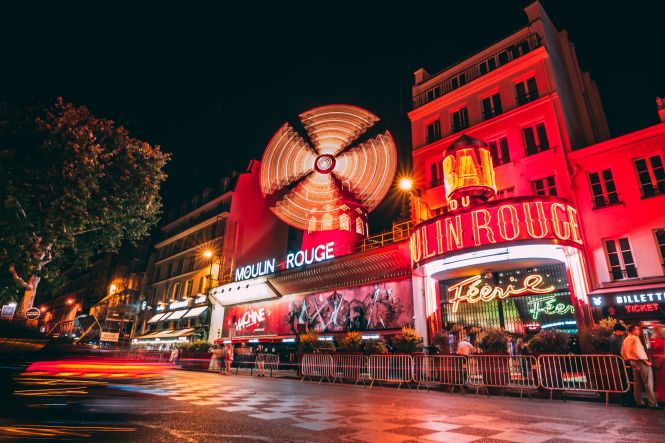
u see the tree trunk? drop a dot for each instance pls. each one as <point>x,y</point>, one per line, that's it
<point>28,297</point>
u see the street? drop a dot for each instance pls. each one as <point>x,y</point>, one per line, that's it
<point>198,407</point>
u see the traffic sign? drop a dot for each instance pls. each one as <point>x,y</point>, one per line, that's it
<point>32,313</point>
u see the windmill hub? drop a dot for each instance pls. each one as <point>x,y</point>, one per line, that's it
<point>324,163</point>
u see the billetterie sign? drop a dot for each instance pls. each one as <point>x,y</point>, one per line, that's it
<point>293,260</point>
<point>502,221</point>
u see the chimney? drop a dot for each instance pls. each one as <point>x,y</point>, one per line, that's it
<point>660,103</point>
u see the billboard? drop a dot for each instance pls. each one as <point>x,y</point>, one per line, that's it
<point>385,305</point>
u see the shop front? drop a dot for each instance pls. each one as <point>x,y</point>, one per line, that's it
<point>512,263</point>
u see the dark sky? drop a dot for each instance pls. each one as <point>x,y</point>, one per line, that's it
<point>212,84</point>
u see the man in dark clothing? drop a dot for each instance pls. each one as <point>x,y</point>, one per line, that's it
<point>616,341</point>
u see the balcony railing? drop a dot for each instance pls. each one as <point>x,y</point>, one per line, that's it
<point>602,201</point>
<point>490,113</point>
<point>499,58</point>
<point>624,273</point>
<point>650,190</point>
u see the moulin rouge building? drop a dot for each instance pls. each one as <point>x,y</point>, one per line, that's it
<point>526,215</point>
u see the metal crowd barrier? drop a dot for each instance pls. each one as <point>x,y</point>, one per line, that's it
<point>317,365</point>
<point>350,367</point>
<point>503,371</point>
<point>450,370</point>
<point>390,368</point>
<point>583,373</point>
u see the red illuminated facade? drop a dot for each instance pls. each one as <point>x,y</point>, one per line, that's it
<point>562,202</point>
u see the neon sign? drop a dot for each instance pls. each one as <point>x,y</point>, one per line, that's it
<point>293,260</point>
<point>640,298</point>
<point>468,168</point>
<point>646,307</point>
<point>549,306</point>
<point>508,220</point>
<point>474,290</point>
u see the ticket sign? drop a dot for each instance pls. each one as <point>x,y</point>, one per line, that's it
<point>32,314</point>
<point>499,222</point>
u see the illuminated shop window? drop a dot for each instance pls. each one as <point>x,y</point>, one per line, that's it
<point>433,132</point>
<point>500,151</point>
<point>660,242</point>
<point>311,226</point>
<point>344,222</point>
<point>360,228</point>
<point>620,259</point>
<point>505,192</point>
<point>459,120</point>
<point>603,188</point>
<point>544,186</point>
<point>436,174</point>
<point>526,91</point>
<point>491,106</point>
<point>326,222</point>
<point>535,139</point>
<point>651,175</point>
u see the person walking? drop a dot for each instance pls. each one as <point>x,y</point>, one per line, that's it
<point>632,350</point>
<point>221,358</point>
<point>260,362</point>
<point>616,342</point>
<point>214,359</point>
<point>464,347</point>
<point>174,355</point>
<point>228,358</point>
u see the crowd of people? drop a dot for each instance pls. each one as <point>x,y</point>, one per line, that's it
<point>222,358</point>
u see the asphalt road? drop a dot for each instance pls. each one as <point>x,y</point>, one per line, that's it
<point>199,407</point>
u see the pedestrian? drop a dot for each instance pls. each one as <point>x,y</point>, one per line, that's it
<point>260,362</point>
<point>617,337</point>
<point>214,358</point>
<point>658,353</point>
<point>632,350</point>
<point>464,347</point>
<point>174,355</point>
<point>616,342</point>
<point>228,358</point>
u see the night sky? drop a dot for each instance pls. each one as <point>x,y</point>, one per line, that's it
<point>212,85</point>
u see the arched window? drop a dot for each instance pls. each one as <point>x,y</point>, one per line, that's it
<point>344,222</point>
<point>311,227</point>
<point>360,227</point>
<point>326,221</point>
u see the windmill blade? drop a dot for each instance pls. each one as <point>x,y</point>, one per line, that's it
<point>315,196</point>
<point>287,158</point>
<point>332,128</point>
<point>368,169</point>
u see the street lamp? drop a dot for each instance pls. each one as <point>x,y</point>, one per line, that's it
<point>215,265</point>
<point>70,301</point>
<point>415,201</point>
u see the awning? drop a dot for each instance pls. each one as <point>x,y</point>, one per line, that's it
<point>155,318</point>
<point>150,335</point>
<point>177,314</point>
<point>195,312</point>
<point>181,332</point>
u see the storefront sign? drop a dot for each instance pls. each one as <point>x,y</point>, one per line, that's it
<point>640,298</point>
<point>474,290</point>
<point>508,220</point>
<point>8,311</point>
<point>468,168</point>
<point>109,336</point>
<point>646,307</point>
<point>386,305</point>
<point>293,260</point>
<point>179,304</point>
<point>549,306</point>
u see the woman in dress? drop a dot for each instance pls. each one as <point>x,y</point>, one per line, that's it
<point>228,358</point>
<point>214,359</point>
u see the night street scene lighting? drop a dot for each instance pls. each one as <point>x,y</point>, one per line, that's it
<point>232,224</point>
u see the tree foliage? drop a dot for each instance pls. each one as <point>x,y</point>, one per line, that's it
<point>73,185</point>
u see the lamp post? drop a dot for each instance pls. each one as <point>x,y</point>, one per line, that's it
<point>215,265</point>
<point>415,201</point>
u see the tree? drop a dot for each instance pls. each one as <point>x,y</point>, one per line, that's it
<point>72,185</point>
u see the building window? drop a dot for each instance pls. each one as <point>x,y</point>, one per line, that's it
<point>344,222</point>
<point>651,175</point>
<point>491,106</point>
<point>433,131</point>
<point>188,288</point>
<point>603,189</point>
<point>327,221</point>
<point>436,174</point>
<point>620,258</point>
<point>169,273</point>
<point>155,276</point>
<point>660,241</point>
<point>458,81</point>
<point>544,186</point>
<point>535,139</point>
<point>190,264</point>
<point>180,265</point>
<point>433,94</point>
<point>526,91</point>
<point>487,65</point>
<point>459,120</point>
<point>203,282</point>
<point>360,228</point>
<point>500,151</point>
<point>505,192</point>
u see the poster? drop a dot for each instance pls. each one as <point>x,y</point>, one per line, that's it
<point>385,305</point>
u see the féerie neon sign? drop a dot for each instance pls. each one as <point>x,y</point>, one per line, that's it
<point>549,306</point>
<point>474,290</point>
